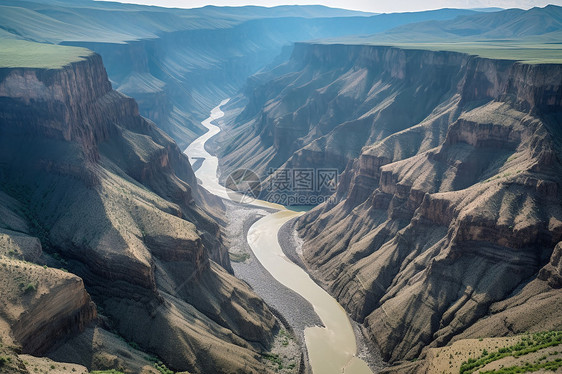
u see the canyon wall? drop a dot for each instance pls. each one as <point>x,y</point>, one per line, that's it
<point>110,197</point>
<point>179,76</point>
<point>182,72</point>
<point>446,221</point>
<point>179,63</point>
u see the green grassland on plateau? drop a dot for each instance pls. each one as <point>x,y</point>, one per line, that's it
<point>20,53</point>
<point>533,36</point>
<point>531,53</point>
<point>526,53</point>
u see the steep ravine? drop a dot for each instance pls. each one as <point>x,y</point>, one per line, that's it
<point>447,211</point>
<point>112,199</point>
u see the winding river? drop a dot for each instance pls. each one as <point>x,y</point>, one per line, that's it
<point>331,349</point>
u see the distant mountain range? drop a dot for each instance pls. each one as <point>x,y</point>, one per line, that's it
<point>532,35</point>
<point>536,24</point>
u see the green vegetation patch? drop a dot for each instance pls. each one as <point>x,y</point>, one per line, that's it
<point>528,344</point>
<point>238,257</point>
<point>162,368</point>
<point>528,367</point>
<point>525,52</point>
<point>285,336</point>
<point>24,54</point>
<point>29,287</point>
<point>106,372</point>
<point>273,357</point>
<point>159,365</point>
<point>528,53</point>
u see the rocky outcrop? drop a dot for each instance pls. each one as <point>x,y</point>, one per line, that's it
<point>462,226</point>
<point>115,200</point>
<point>552,272</point>
<point>64,309</point>
<point>447,203</point>
<point>41,306</point>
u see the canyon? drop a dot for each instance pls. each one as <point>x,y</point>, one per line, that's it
<point>444,227</point>
<point>331,347</point>
<point>179,63</point>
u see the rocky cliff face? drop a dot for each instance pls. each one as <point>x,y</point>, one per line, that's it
<point>57,310</point>
<point>327,102</point>
<point>112,198</point>
<point>40,305</point>
<point>447,213</point>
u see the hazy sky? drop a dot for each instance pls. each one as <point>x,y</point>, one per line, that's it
<point>365,5</point>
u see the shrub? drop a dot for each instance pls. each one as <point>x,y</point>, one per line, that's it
<point>162,368</point>
<point>528,344</point>
<point>29,287</point>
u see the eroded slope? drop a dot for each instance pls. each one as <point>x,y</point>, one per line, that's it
<point>114,199</point>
